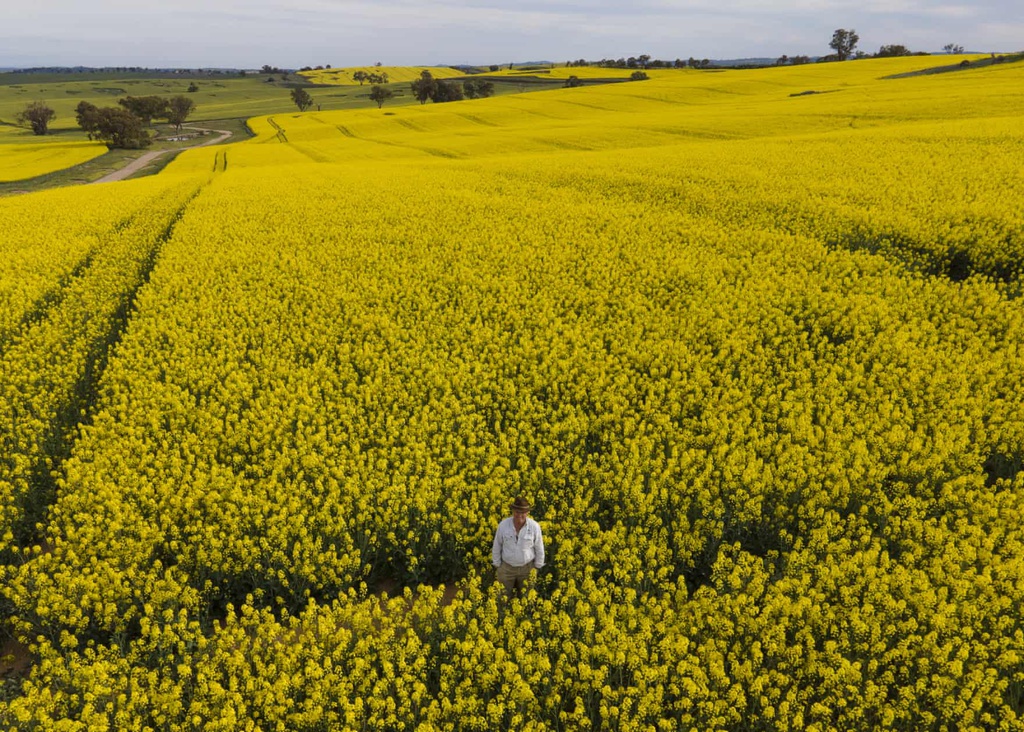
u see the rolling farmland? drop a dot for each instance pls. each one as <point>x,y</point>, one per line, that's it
<point>345,77</point>
<point>751,342</point>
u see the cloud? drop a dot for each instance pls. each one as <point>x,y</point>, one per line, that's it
<point>252,32</point>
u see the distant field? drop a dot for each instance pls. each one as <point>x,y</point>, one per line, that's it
<point>581,72</point>
<point>674,106</point>
<point>343,76</point>
<point>218,97</point>
<point>230,99</point>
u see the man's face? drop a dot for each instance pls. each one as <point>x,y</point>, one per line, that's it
<point>519,518</point>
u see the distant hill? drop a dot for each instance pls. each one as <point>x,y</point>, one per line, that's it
<point>744,61</point>
<point>115,69</point>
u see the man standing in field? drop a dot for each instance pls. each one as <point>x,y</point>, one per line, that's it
<point>518,548</point>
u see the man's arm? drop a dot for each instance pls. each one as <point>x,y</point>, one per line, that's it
<point>496,549</point>
<point>538,549</point>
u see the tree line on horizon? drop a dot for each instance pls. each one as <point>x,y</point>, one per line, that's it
<point>844,43</point>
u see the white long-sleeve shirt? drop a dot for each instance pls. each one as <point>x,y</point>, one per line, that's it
<point>518,550</point>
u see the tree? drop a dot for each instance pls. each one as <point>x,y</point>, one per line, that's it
<point>643,59</point>
<point>178,110</point>
<point>895,49</point>
<point>38,116</point>
<point>477,88</point>
<point>782,60</point>
<point>87,116</point>
<point>572,82</point>
<point>302,99</point>
<point>145,108</point>
<point>424,87</point>
<point>120,128</point>
<point>193,88</point>
<point>380,94</point>
<point>638,76</point>
<point>375,78</point>
<point>361,77</point>
<point>800,60</point>
<point>447,91</point>
<point>843,42</point>
<point>953,48</point>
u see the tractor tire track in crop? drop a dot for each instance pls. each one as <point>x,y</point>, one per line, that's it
<point>311,153</point>
<point>54,369</point>
<point>433,151</point>
<point>477,120</point>
<point>220,161</point>
<point>410,125</point>
<point>280,136</point>
<point>50,300</point>
<point>53,297</point>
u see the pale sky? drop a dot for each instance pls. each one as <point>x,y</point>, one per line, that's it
<point>250,33</point>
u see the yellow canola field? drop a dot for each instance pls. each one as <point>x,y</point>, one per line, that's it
<point>562,71</point>
<point>681,106</point>
<point>20,161</point>
<point>738,142</point>
<point>51,236</point>
<point>63,301</point>
<point>756,358</point>
<point>343,77</point>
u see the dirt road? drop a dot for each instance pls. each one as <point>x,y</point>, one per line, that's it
<point>141,162</point>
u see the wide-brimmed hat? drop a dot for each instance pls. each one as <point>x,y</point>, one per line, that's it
<point>520,504</point>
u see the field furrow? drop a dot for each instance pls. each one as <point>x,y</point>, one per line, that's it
<point>51,370</point>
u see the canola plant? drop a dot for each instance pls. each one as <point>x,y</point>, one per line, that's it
<point>755,354</point>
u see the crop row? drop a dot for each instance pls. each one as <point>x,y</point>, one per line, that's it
<point>49,236</point>
<point>50,369</point>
